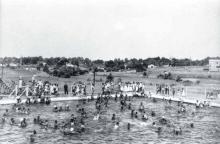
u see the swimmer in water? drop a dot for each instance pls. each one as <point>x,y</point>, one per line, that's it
<point>192,125</point>
<point>55,108</point>
<point>55,124</point>
<point>32,136</point>
<point>153,114</point>
<point>67,108</point>
<point>34,132</point>
<point>12,121</point>
<point>159,130</point>
<point>23,122</point>
<point>163,120</point>
<point>154,124</point>
<point>197,104</point>
<point>6,113</point>
<point>129,106</point>
<point>3,119</point>
<point>122,108</point>
<point>116,97</point>
<point>60,108</point>
<point>170,101</point>
<point>136,115</point>
<point>144,117</point>
<point>71,129</point>
<point>132,113</point>
<point>154,100</point>
<point>113,117</point>
<point>96,117</point>
<point>141,107</point>
<point>38,119</point>
<point>128,126</point>
<point>116,125</point>
<point>178,131</point>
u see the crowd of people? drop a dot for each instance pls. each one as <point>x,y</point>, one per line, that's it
<point>76,123</point>
<point>131,87</point>
<point>165,89</point>
<point>78,88</point>
<point>41,88</point>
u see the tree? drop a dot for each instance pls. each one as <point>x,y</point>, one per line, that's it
<point>46,69</point>
<point>62,62</point>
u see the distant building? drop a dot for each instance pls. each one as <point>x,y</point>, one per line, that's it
<point>13,65</point>
<point>166,66</point>
<point>151,66</point>
<point>2,65</point>
<point>70,65</point>
<point>214,65</point>
<point>29,67</point>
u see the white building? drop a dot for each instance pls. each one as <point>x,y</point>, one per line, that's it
<point>214,65</point>
<point>69,65</point>
<point>13,65</point>
<point>151,66</point>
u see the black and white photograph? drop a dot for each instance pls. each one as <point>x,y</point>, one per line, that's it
<point>109,71</point>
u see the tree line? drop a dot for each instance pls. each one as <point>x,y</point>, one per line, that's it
<point>113,64</point>
<point>59,68</point>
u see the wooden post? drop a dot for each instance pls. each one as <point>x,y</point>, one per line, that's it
<point>16,90</point>
<point>27,89</point>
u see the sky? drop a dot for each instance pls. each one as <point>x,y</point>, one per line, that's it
<point>108,29</point>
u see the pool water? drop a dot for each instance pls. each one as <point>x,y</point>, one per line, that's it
<point>206,124</point>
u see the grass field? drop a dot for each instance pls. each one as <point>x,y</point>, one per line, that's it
<point>207,80</point>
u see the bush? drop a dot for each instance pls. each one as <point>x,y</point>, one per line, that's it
<point>160,76</point>
<point>67,75</point>
<point>197,82</point>
<point>187,83</point>
<point>165,76</point>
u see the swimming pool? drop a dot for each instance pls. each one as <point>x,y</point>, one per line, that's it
<point>206,125</point>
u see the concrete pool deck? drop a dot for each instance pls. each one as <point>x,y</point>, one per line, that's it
<point>212,103</point>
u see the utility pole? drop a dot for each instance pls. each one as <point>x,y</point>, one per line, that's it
<point>94,72</point>
<point>3,67</point>
<point>2,70</point>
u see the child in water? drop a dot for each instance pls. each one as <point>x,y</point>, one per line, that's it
<point>116,125</point>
